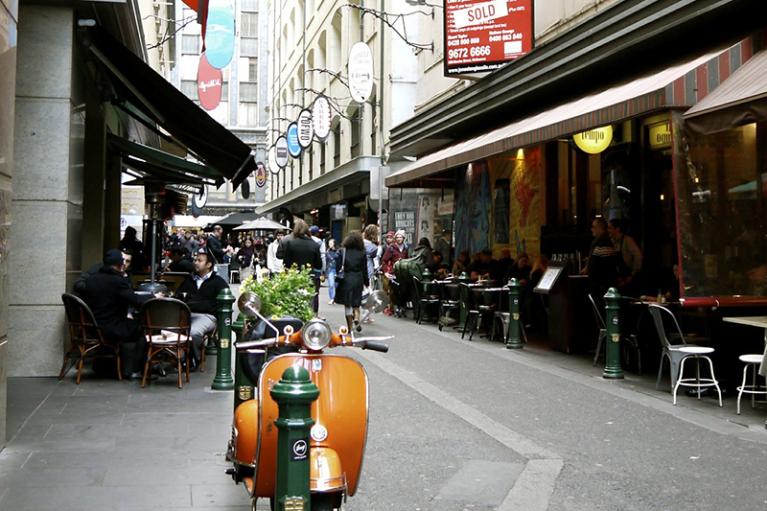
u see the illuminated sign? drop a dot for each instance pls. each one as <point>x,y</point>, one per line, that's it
<point>482,35</point>
<point>594,141</point>
<point>660,135</point>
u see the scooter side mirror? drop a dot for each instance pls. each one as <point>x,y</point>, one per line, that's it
<point>249,304</point>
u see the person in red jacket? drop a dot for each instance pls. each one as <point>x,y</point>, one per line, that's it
<point>394,252</point>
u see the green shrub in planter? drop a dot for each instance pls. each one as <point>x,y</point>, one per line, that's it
<point>286,294</point>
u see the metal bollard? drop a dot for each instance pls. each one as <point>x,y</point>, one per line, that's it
<point>223,379</point>
<point>514,341</point>
<point>294,394</point>
<point>613,369</point>
<point>244,388</point>
<point>463,278</point>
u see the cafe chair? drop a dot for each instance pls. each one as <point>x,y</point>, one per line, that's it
<point>678,354</point>
<point>449,303</point>
<point>86,340</point>
<point>753,361</point>
<point>425,301</point>
<point>471,309</point>
<point>600,322</point>
<point>166,323</point>
<point>485,300</point>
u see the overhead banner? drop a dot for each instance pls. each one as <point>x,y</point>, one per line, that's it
<point>483,35</point>
<point>219,33</point>
<point>209,80</point>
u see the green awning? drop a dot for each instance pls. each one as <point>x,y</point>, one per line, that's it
<point>139,85</point>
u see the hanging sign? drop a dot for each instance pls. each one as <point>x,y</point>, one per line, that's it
<point>322,118</point>
<point>360,72</point>
<point>209,80</point>
<point>482,35</point>
<point>660,135</point>
<point>281,152</point>
<point>294,148</point>
<point>305,128</point>
<point>594,141</point>
<point>219,33</point>
<point>260,174</point>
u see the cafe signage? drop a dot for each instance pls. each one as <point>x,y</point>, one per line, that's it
<point>322,118</point>
<point>660,135</point>
<point>209,80</point>
<point>260,174</point>
<point>360,72</point>
<point>305,128</point>
<point>281,152</point>
<point>219,33</point>
<point>594,141</point>
<point>294,148</point>
<point>482,35</point>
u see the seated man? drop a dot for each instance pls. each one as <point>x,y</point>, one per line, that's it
<point>199,291</point>
<point>108,293</point>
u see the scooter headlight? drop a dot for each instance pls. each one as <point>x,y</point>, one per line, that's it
<point>316,334</point>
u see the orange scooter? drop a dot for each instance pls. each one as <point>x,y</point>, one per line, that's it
<point>340,413</point>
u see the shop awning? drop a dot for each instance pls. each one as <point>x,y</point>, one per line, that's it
<point>647,94</point>
<point>157,99</point>
<point>154,165</point>
<point>310,193</point>
<point>739,100</point>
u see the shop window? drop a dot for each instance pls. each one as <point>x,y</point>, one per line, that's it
<point>722,194</point>
<point>249,24</point>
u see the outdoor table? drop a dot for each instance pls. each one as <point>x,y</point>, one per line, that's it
<point>757,321</point>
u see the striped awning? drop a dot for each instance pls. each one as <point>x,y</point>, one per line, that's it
<point>740,99</point>
<point>660,90</point>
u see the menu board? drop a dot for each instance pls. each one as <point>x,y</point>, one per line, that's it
<point>548,280</point>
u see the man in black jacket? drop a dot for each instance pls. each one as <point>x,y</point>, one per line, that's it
<point>199,291</point>
<point>300,250</point>
<point>178,262</point>
<point>214,244</point>
<point>109,295</point>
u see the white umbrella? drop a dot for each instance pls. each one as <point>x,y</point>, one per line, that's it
<point>261,224</point>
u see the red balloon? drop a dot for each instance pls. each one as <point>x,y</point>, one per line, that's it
<point>209,83</point>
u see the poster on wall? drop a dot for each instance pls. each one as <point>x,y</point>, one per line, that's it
<point>472,209</point>
<point>483,35</point>
<point>427,206</point>
<point>405,221</point>
<point>445,204</point>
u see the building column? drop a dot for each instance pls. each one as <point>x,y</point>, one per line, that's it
<point>47,190</point>
<point>8,24</point>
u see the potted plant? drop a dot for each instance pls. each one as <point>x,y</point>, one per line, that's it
<point>286,294</point>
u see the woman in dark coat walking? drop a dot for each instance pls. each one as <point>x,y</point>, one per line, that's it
<point>354,266</point>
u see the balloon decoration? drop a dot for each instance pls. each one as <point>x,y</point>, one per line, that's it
<point>209,84</point>
<point>219,38</point>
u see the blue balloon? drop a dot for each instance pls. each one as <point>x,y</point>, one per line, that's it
<point>219,34</point>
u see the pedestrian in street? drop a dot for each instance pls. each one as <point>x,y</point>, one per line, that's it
<point>629,257</point>
<point>354,267</point>
<point>331,262</point>
<point>214,244</point>
<point>273,261</point>
<point>602,264</point>
<point>131,244</point>
<point>246,256</point>
<point>394,252</point>
<point>199,291</point>
<point>301,251</point>
<point>314,232</point>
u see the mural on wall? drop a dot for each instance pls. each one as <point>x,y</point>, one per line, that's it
<point>525,214</point>
<point>501,211</point>
<point>472,208</point>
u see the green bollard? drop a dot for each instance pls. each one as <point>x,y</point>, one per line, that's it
<point>613,369</point>
<point>223,379</point>
<point>294,394</point>
<point>514,342</point>
<point>244,388</point>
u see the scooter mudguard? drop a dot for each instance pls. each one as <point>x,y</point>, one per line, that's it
<point>340,413</point>
<point>245,433</point>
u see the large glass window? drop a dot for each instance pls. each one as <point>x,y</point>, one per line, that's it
<point>249,24</point>
<point>248,47</point>
<point>721,194</point>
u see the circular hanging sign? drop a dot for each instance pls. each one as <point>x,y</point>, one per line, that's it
<point>219,33</point>
<point>281,152</point>
<point>199,200</point>
<point>245,189</point>
<point>594,141</point>
<point>360,72</point>
<point>209,80</point>
<point>260,174</point>
<point>305,128</point>
<point>294,148</point>
<point>322,118</point>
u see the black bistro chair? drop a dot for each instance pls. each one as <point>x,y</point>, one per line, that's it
<point>426,302</point>
<point>450,302</point>
<point>166,323</point>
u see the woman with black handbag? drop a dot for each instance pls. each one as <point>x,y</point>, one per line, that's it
<point>353,268</point>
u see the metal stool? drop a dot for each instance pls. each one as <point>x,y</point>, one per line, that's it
<point>697,353</point>
<point>753,389</point>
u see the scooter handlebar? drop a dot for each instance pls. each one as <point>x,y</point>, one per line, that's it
<point>375,346</point>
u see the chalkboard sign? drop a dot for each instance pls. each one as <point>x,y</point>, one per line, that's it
<point>548,279</point>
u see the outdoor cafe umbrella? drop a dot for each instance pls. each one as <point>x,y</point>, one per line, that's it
<point>232,219</point>
<point>261,224</point>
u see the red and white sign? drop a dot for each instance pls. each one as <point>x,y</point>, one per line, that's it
<point>260,175</point>
<point>482,35</point>
<point>209,80</point>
